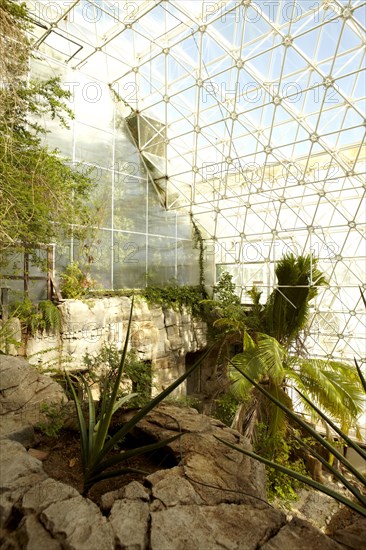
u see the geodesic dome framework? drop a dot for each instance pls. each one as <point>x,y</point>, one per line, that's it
<point>251,116</point>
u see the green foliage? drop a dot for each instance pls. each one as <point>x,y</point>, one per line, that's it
<point>352,480</point>
<point>270,335</point>
<point>55,415</point>
<point>51,316</point>
<point>332,385</point>
<point>40,194</point>
<point>176,297</point>
<point>118,292</point>
<point>33,317</point>
<point>225,408</point>
<point>361,377</point>
<point>226,315</point>
<point>199,243</point>
<point>74,282</point>
<point>224,291</point>
<point>140,374</point>
<point>169,296</point>
<point>103,369</point>
<point>94,445</point>
<point>279,485</point>
<point>27,314</point>
<point>286,310</point>
<point>7,333</point>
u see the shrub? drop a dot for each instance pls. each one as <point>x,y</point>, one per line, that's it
<point>55,415</point>
<point>225,408</point>
<point>74,282</point>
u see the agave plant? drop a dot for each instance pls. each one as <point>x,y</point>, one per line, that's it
<point>358,504</point>
<point>95,442</point>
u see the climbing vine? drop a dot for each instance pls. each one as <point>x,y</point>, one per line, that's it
<point>199,244</point>
<point>176,297</point>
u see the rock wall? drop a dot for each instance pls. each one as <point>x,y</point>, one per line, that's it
<point>161,336</point>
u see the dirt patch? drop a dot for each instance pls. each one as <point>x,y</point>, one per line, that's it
<point>63,462</point>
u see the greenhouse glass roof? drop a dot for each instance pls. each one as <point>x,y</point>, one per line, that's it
<point>256,111</point>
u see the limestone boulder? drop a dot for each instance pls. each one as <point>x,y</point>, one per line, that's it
<point>80,522</point>
<point>130,522</point>
<point>228,526</point>
<point>212,499</point>
<point>33,536</point>
<point>22,392</point>
<point>43,494</point>
<point>215,472</point>
<point>353,536</point>
<point>19,471</point>
<point>132,491</point>
<point>301,535</point>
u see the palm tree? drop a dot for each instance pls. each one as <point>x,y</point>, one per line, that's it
<point>274,355</point>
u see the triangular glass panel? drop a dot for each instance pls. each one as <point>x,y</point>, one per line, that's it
<point>349,40</point>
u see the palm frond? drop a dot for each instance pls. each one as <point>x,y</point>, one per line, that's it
<point>286,310</point>
<point>229,324</point>
<point>360,375</point>
<point>250,363</point>
<point>332,385</point>
<point>271,354</point>
<point>277,417</point>
<point>312,431</point>
<point>248,342</point>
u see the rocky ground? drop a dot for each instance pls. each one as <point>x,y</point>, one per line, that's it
<point>212,497</point>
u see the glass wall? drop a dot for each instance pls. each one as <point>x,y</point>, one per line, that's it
<point>136,240</point>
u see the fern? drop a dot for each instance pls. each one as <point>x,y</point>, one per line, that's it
<point>50,315</point>
<point>45,316</point>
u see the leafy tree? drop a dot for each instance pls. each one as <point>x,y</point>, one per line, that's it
<point>42,197</point>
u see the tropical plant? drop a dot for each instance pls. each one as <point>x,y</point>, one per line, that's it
<point>286,311</point>
<point>140,373</point>
<point>226,311</point>
<point>199,244</point>
<point>278,485</point>
<point>95,447</point>
<point>353,480</point>
<point>333,385</point>
<point>50,314</point>
<point>224,408</point>
<point>275,356</point>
